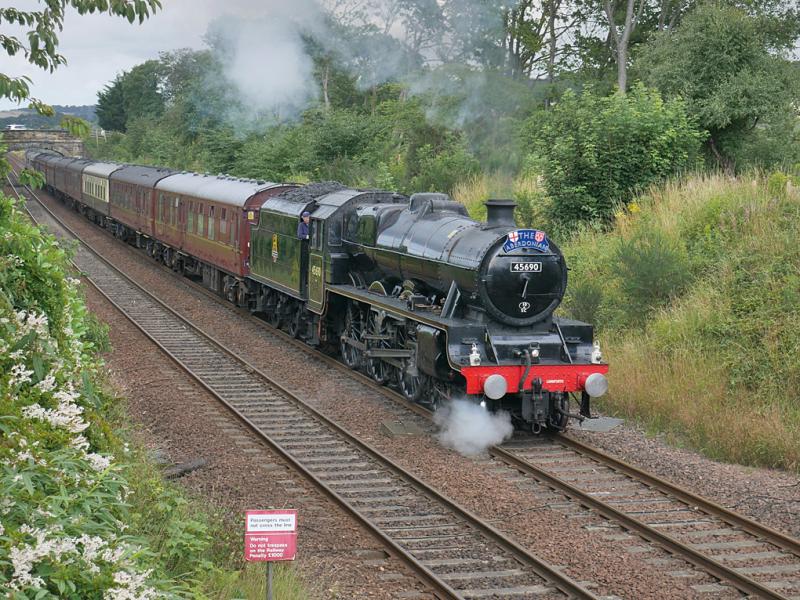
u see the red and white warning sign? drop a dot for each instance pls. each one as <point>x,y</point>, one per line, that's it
<point>270,535</point>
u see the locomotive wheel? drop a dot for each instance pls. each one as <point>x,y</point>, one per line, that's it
<point>378,370</point>
<point>412,387</point>
<point>353,329</point>
<point>275,314</point>
<point>231,290</point>
<point>438,394</point>
<point>287,308</point>
<point>295,323</point>
<point>376,367</point>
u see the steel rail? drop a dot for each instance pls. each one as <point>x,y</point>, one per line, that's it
<point>752,527</point>
<point>708,564</point>
<point>552,575</point>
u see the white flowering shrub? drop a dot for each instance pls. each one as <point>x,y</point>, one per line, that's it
<point>64,510</point>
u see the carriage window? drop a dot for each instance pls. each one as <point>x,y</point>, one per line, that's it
<point>234,227</point>
<point>211,231</point>
<point>223,223</point>
<point>200,214</point>
<point>190,225</point>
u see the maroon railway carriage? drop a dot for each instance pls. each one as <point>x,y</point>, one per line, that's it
<point>55,172</point>
<point>132,198</point>
<point>202,221</point>
<point>42,162</point>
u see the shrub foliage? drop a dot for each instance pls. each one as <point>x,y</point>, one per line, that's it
<point>597,152</point>
<point>695,294</point>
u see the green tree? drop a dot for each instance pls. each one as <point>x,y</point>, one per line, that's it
<point>110,108</point>
<point>135,94</point>
<point>727,66</point>
<point>141,90</point>
<point>596,152</point>
<point>42,27</point>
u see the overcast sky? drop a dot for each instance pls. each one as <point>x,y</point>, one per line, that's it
<point>98,47</point>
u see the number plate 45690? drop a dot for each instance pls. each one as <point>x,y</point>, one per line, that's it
<point>526,267</point>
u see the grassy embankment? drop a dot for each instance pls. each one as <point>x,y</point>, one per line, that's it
<point>83,512</point>
<point>695,292</point>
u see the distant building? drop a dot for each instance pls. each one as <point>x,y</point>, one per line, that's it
<point>15,127</point>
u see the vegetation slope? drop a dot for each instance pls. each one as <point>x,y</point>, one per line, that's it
<point>696,294</point>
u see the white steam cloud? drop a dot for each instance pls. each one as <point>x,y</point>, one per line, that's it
<point>267,67</point>
<point>265,63</point>
<point>469,429</point>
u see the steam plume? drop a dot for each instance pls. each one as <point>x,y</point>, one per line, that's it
<point>469,429</point>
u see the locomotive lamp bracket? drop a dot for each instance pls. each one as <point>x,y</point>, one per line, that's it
<point>474,356</point>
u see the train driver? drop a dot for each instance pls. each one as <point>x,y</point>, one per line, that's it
<point>302,226</point>
<point>303,236</point>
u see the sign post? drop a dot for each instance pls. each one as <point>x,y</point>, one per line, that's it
<point>270,535</point>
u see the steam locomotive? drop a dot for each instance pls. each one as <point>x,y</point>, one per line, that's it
<point>410,290</point>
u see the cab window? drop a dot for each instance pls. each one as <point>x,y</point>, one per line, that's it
<point>316,234</point>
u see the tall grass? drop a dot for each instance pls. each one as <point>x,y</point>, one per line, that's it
<point>251,583</point>
<point>696,295</point>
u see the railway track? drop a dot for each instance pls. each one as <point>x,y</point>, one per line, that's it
<point>751,557</point>
<point>456,553</point>
<point>739,552</point>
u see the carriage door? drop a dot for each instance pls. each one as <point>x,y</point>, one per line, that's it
<point>316,287</point>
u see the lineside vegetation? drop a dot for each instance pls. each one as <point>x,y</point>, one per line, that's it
<point>83,512</point>
<point>697,295</point>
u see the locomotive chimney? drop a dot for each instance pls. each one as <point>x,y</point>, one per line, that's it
<point>500,213</point>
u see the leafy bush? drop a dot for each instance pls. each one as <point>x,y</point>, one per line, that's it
<point>584,299</point>
<point>597,152</point>
<point>776,184</point>
<point>439,171</point>
<point>64,502</point>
